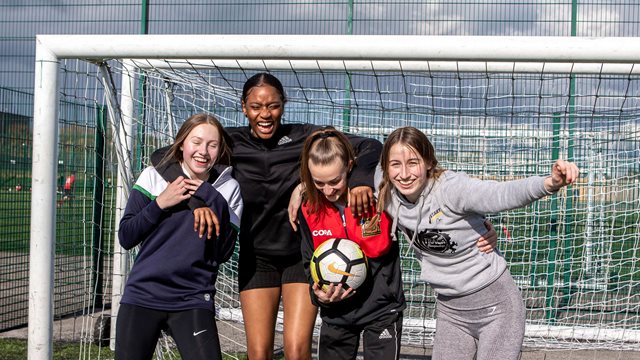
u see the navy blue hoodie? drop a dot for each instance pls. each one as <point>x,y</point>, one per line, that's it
<point>175,269</point>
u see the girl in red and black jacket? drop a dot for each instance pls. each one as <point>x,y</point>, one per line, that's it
<point>375,308</point>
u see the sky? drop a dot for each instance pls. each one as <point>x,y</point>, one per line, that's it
<point>21,20</point>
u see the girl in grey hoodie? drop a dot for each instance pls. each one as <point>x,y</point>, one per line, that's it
<point>480,311</point>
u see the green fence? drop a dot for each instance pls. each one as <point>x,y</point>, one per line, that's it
<point>80,209</point>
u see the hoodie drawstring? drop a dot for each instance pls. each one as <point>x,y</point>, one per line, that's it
<point>421,201</point>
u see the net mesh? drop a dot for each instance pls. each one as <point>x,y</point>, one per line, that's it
<point>574,254</point>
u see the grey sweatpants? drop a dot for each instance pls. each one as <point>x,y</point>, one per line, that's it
<point>488,324</point>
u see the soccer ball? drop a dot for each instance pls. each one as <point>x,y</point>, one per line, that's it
<point>339,261</point>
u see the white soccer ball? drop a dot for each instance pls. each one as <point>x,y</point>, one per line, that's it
<point>339,261</point>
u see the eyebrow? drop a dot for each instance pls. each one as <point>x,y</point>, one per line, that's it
<point>265,103</point>
<point>409,159</point>
<point>339,177</point>
<point>199,138</point>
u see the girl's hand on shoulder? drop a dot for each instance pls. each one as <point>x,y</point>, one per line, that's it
<point>333,294</point>
<point>175,193</point>
<point>361,200</point>
<point>205,219</point>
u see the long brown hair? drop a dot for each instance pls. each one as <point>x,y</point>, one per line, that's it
<point>416,140</point>
<point>174,153</point>
<point>323,147</point>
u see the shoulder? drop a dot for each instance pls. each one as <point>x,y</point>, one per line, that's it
<point>237,133</point>
<point>451,178</point>
<point>234,130</point>
<point>150,182</point>
<point>225,179</point>
<point>300,130</point>
<point>148,174</point>
<point>452,181</point>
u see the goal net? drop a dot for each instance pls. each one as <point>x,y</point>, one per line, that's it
<point>495,108</point>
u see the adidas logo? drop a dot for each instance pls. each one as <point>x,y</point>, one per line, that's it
<point>283,140</point>
<point>385,335</point>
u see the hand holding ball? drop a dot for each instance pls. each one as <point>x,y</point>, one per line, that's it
<point>339,261</point>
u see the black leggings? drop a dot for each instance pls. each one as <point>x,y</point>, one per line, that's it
<point>138,328</point>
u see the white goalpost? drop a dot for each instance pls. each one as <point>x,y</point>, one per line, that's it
<point>496,107</point>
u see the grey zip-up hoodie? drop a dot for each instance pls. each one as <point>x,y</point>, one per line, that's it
<point>445,223</point>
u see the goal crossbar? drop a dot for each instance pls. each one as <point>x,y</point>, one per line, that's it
<point>346,47</point>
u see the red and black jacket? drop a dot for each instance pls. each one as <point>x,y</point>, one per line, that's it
<point>371,232</point>
<point>382,293</point>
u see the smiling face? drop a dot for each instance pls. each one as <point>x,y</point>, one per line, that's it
<point>407,171</point>
<point>200,150</point>
<point>263,107</point>
<point>330,179</point>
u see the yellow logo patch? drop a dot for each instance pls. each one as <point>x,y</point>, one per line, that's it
<point>371,226</point>
<point>435,215</point>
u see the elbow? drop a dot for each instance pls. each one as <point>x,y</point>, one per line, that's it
<point>377,146</point>
<point>124,240</point>
<point>127,245</point>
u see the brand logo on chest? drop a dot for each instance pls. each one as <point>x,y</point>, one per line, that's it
<point>322,232</point>
<point>435,241</point>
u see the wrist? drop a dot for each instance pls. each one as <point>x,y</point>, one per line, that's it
<point>549,185</point>
<point>160,204</point>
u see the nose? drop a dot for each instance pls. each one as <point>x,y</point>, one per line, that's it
<point>327,190</point>
<point>404,172</point>
<point>264,112</point>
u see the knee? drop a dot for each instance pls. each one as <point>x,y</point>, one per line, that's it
<point>297,351</point>
<point>260,354</point>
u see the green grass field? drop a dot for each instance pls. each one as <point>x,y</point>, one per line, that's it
<point>16,349</point>
<point>74,221</point>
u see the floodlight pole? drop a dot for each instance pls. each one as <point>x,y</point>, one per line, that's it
<point>43,200</point>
